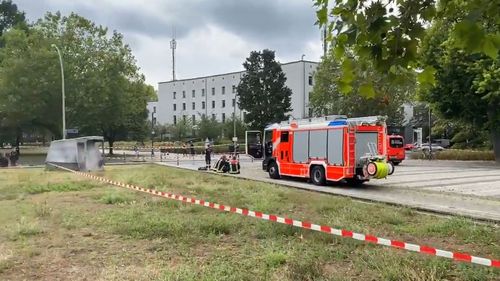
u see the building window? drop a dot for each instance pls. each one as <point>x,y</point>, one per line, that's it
<point>223,117</point>
<point>202,105</point>
<point>223,103</point>
<point>213,116</point>
<point>213,91</point>
<point>193,105</point>
<point>203,116</point>
<point>223,90</point>
<point>183,94</point>
<point>193,118</point>
<point>234,102</point>
<point>183,106</point>
<point>213,104</point>
<point>234,89</point>
<point>310,80</point>
<point>184,118</point>
<point>175,120</point>
<point>202,92</point>
<point>175,107</point>
<point>175,95</point>
<point>193,93</point>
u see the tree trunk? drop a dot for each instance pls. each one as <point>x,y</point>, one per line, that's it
<point>19,133</point>
<point>495,139</point>
<point>110,142</point>
<point>494,131</point>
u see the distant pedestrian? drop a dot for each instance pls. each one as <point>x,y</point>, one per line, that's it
<point>13,158</point>
<point>136,151</point>
<point>208,155</point>
<point>4,161</point>
<point>191,148</point>
<point>184,149</point>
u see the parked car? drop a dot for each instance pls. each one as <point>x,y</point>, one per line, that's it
<point>435,147</point>
<point>409,146</point>
<point>7,146</point>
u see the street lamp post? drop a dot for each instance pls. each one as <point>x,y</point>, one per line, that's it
<point>430,131</point>
<point>63,96</point>
<point>153,131</point>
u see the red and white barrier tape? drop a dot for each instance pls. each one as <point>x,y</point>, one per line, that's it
<point>463,257</point>
<point>164,147</point>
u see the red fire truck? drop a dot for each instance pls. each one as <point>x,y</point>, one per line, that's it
<point>330,148</point>
<point>395,149</point>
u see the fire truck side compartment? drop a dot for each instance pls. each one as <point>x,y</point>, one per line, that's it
<point>300,146</point>
<point>362,140</point>
<point>317,144</point>
<point>335,147</point>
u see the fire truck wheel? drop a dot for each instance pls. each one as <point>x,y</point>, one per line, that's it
<point>273,171</point>
<point>318,175</point>
<point>391,168</point>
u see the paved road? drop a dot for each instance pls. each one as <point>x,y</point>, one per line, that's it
<point>469,189</point>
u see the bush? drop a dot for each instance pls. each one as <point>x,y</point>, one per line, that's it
<point>458,154</point>
<point>115,198</point>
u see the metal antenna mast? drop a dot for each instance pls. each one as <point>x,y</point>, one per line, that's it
<point>173,46</point>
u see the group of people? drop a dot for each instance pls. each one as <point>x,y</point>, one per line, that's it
<point>7,159</point>
<point>224,164</point>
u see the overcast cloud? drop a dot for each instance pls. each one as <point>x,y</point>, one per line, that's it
<point>213,36</point>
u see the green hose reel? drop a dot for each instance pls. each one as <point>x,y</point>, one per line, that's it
<point>379,169</point>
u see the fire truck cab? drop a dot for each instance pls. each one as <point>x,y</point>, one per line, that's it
<point>330,148</point>
<point>395,149</point>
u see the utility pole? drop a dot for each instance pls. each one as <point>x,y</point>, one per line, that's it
<point>63,95</point>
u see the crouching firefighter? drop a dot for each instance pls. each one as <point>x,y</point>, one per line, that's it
<point>234,165</point>
<point>222,165</point>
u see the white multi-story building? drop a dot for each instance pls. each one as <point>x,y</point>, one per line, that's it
<point>215,96</point>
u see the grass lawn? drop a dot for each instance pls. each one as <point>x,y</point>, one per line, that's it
<point>56,225</point>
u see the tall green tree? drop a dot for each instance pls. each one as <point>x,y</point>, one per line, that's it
<point>10,16</point>
<point>181,130</point>
<point>327,98</point>
<point>29,83</point>
<point>229,126</point>
<point>467,85</point>
<point>105,93</point>
<point>208,128</point>
<point>262,91</point>
<point>389,33</point>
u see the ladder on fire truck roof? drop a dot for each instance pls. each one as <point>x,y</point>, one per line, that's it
<point>352,121</point>
<point>312,120</point>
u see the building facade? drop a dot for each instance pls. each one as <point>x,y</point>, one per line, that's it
<point>215,96</point>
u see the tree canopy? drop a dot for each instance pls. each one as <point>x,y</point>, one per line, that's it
<point>10,16</point>
<point>105,93</point>
<point>466,85</point>
<point>389,33</point>
<point>262,92</point>
<point>327,98</point>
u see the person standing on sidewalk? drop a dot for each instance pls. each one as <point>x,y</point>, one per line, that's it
<point>208,155</point>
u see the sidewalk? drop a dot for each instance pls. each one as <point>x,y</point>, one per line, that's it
<point>483,208</point>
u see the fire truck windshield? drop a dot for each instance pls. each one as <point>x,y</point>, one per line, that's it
<point>396,142</point>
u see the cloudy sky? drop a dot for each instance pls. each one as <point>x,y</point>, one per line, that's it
<point>213,36</point>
